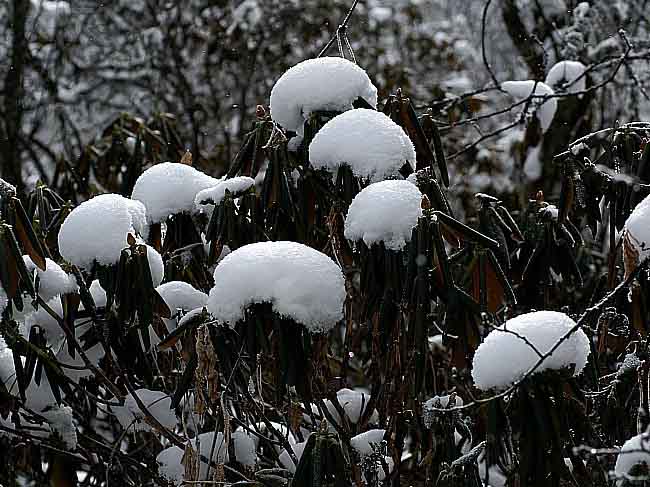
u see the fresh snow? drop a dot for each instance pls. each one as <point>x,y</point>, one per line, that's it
<point>285,459</point>
<point>96,230</point>
<point>53,280</point>
<point>635,451</point>
<point>170,464</point>
<point>157,403</point>
<point>4,300</point>
<point>363,443</point>
<point>170,188</point>
<point>354,403</point>
<point>565,73</point>
<point>326,83</point>
<point>504,357</point>
<point>637,228</point>
<point>215,194</point>
<point>368,141</point>
<point>521,90</point>
<point>179,295</point>
<point>156,265</point>
<point>385,212</point>
<point>301,283</point>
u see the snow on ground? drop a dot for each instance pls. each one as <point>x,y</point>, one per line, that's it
<point>520,90</point>
<point>169,188</point>
<point>96,230</point>
<point>326,83</point>
<point>301,283</point>
<point>368,141</point>
<point>504,357</point>
<point>385,212</point>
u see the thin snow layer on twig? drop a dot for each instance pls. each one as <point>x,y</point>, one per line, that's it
<point>637,228</point>
<point>96,230</point>
<point>385,212</point>
<point>368,141</point>
<point>215,194</point>
<point>322,84</point>
<point>53,280</point>
<point>635,452</point>
<point>301,283</point>
<point>506,355</point>
<point>565,73</point>
<point>520,90</point>
<point>158,405</point>
<point>363,442</point>
<point>169,188</point>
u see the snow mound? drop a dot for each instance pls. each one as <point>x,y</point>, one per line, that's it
<point>363,442</point>
<point>354,403</point>
<point>4,300</point>
<point>96,230</point>
<point>521,90</point>
<point>47,323</point>
<point>53,280</point>
<point>326,83</point>
<point>215,194</point>
<point>504,357</point>
<point>7,366</point>
<point>285,459</point>
<point>179,295</point>
<point>637,228</point>
<point>170,464</point>
<point>635,452</point>
<point>156,402</point>
<point>156,265</point>
<point>300,282</point>
<point>245,447</point>
<point>61,422</point>
<point>169,188</point>
<point>368,141</point>
<point>566,73</point>
<point>385,212</point>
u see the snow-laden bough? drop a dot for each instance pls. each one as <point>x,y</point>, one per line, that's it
<point>301,283</point>
<point>322,84</point>
<point>369,142</point>
<point>506,355</point>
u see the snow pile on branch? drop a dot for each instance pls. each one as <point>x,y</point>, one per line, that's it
<point>521,90</point>
<point>215,194</point>
<point>301,283</point>
<point>170,464</point>
<point>4,300</point>
<point>363,443</point>
<point>96,230</point>
<point>7,366</point>
<point>53,280</point>
<point>47,323</point>
<point>179,295</point>
<point>368,141</point>
<point>169,188</point>
<point>354,403</point>
<point>285,459</point>
<point>637,229</point>
<point>158,405</point>
<point>156,265</point>
<point>322,84</point>
<point>385,212</point>
<point>565,73</point>
<point>635,453</point>
<point>507,353</point>
<point>61,423</point>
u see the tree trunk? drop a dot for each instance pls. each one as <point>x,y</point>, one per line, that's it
<point>14,93</point>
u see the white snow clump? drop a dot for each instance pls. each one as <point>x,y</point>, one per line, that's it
<point>566,73</point>
<point>156,402</point>
<point>635,452</point>
<point>521,90</point>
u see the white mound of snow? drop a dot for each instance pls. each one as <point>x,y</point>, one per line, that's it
<point>96,230</point>
<point>170,464</point>
<point>368,141</point>
<point>156,402</point>
<point>60,420</point>
<point>364,442</point>
<point>179,295</point>
<point>4,300</point>
<point>637,228</point>
<point>326,83</point>
<point>565,73</point>
<point>7,367</point>
<point>53,280</point>
<point>635,452</point>
<point>245,444</point>
<point>301,283</point>
<point>504,357</point>
<point>42,318</point>
<point>354,403</point>
<point>385,212</point>
<point>215,194</point>
<point>156,265</point>
<point>169,188</point>
<point>285,459</point>
<point>521,90</point>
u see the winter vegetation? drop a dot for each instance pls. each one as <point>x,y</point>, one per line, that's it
<point>325,243</point>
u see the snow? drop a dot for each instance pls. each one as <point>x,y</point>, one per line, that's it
<point>635,451</point>
<point>285,458</point>
<point>245,447</point>
<point>368,141</point>
<point>48,324</point>
<point>61,422</point>
<point>170,188</point>
<point>363,442</point>
<point>96,230</point>
<point>521,90</point>
<point>98,294</point>
<point>7,368</point>
<point>385,212</point>
<point>170,464</point>
<point>637,228</point>
<point>156,265</point>
<point>205,446</point>
<point>156,402</point>
<point>215,194</point>
<point>504,357</point>
<point>53,280</point>
<point>301,283</point>
<point>179,295</point>
<point>566,73</point>
<point>326,83</point>
<point>354,403</point>
<point>4,300</point>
